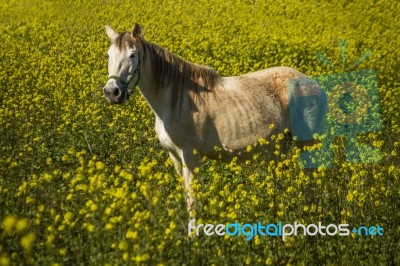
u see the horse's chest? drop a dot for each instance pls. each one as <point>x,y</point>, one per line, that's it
<point>163,135</point>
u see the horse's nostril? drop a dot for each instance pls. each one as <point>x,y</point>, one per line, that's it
<point>116,92</point>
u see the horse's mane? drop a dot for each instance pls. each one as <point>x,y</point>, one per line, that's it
<point>171,70</point>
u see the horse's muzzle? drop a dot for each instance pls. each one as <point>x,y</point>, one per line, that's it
<point>114,94</point>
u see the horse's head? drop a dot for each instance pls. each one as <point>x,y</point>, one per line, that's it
<point>124,64</point>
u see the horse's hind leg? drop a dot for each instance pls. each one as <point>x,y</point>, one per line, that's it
<point>308,106</point>
<point>286,143</point>
<point>307,157</point>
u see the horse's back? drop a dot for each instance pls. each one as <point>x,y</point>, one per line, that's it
<point>247,106</point>
<point>301,98</point>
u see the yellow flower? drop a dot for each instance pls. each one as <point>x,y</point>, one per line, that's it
<point>99,165</point>
<point>50,239</point>
<point>62,251</point>
<point>142,258</point>
<point>172,225</point>
<point>65,157</point>
<point>117,169</point>
<point>21,225</point>
<point>268,261</point>
<point>48,177</point>
<point>41,208</point>
<point>123,245</point>
<point>107,211</point>
<point>8,223</point>
<point>131,234</point>
<point>109,226</point>
<point>27,241</point>
<point>68,216</point>
<point>93,207</point>
<point>349,197</point>
<point>90,228</point>
<point>4,260</point>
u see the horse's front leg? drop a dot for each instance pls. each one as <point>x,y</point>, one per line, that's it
<point>177,163</point>
<point>184,164</point>
<point>189,163</point>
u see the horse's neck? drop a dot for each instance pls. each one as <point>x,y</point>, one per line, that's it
<point>157,98</point>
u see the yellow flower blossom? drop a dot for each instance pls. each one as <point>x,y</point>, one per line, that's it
<point>9,223</point>
<point>27,241</point>
<point>21,225</point>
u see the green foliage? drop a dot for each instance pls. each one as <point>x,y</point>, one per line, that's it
<point>85,182</point>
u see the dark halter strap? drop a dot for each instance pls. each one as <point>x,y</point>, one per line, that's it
<point>135,73</point>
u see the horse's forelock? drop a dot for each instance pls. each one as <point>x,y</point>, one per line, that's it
<point>124,40</point>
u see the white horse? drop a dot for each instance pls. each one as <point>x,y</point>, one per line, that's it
<point>196,109</point>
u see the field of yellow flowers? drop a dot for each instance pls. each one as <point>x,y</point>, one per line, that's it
<point>83,182</point>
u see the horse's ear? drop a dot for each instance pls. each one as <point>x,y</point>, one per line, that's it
<point>111,33</point>
<point>136,32</point>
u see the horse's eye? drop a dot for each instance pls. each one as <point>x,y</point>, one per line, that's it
<point>132,56</point>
